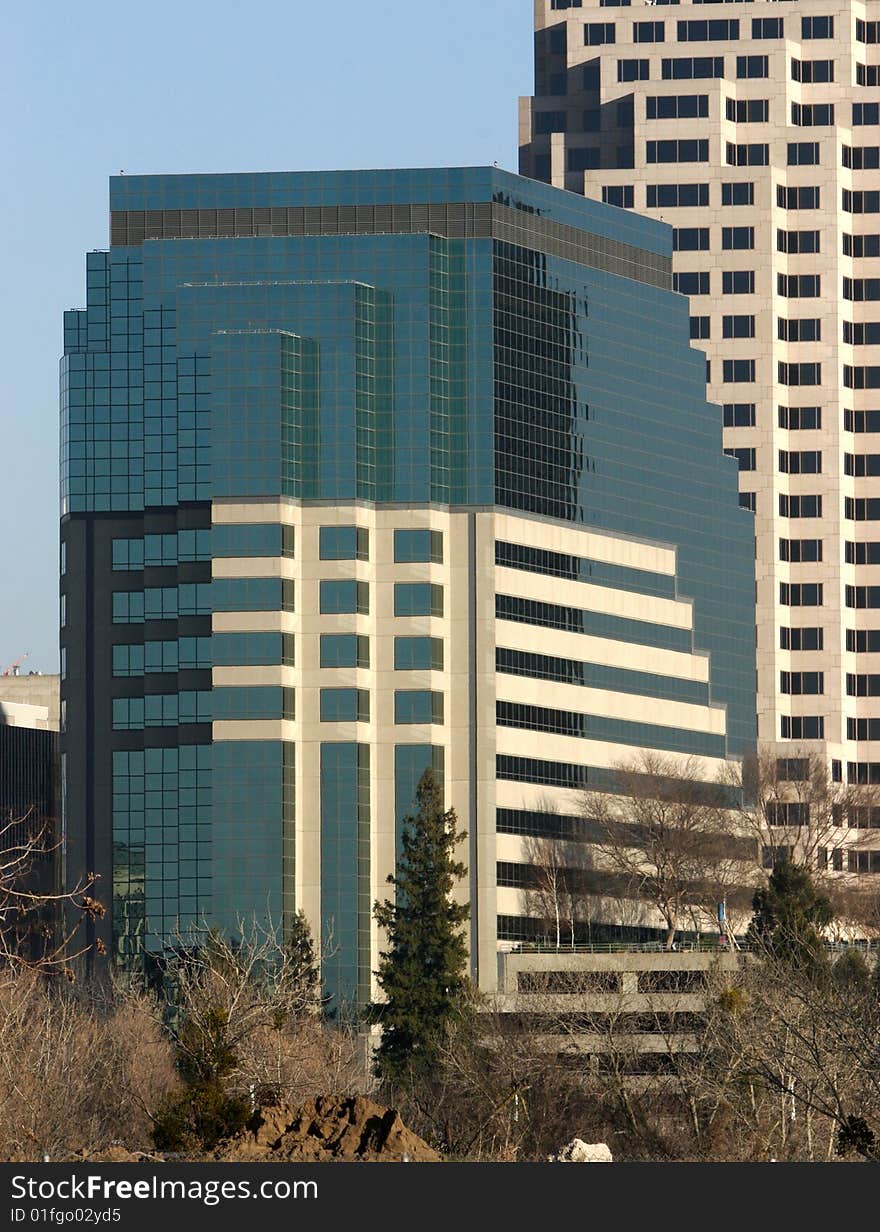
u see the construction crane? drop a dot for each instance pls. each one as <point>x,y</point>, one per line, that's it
<point>12,669</point>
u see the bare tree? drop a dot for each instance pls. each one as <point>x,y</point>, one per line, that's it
<point>794,1060</point>
<point>562,886</point>
<point>672,840</point>
<point>40,928</point>
<point>246,1012</point>
<point>78,1072</point>
<point>794,808</point>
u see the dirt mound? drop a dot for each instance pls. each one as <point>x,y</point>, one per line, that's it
<point>326,1128</point>
<point>118,1155</point>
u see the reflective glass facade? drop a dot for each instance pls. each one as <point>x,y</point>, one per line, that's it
<point>454,339</point>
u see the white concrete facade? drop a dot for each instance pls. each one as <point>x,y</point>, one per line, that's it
<point>472,739</point>
<point>750,113</point>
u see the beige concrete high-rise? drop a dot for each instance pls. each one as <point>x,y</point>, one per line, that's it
<point>753,131</point>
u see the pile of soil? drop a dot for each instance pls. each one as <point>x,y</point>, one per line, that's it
<point>326,1128</point>
<point>118,1155</point>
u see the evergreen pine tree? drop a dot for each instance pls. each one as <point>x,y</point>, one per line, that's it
<point>423,972</point>
<point>789,914</point>
<point>305,971</point>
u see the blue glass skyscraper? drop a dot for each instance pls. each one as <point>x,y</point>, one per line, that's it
<point>364,472</point>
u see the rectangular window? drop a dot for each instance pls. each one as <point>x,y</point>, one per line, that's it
<point>861,289</point>
<point>866,31</point>
<point>861,465</point>
<point>863,684</point>
<point>800,418</point>
<point>418,654</point>
<point>867,75</point>
<point>802,198</point>
<point>861,157</point>
<point>737,237</point>
<point>338,597</point>
<point>799,373</point>
<point>767,28</point>
<point>812,115</point>
<point>344,650</point>
<point>700,328</point>
<point>620,195</point>
<point>694,150</point>
<point>672,195</point>
<point>863,509</point>
<point>582,160</point>
<point>861,333</point>
<point>251,595</point>
<point>259,702</point>
<point>741,192</point>
<point>418,706</point>
<point>755,155</point>
<point>748,110</point>
<point>805,638</point>
<point>736,370</point>
<point>804,506</point>
<point>862,597</point>
<point>598,33</point>
<point>676,106</point>
<point>632,70</point>
<point>738,282</point>
<point>691,283</point>
<point>861,245</point>
<point>418,546</point>
<point>800,594</point>
<point>251,539</point>
<point>800,462</point>
<point>692,68</point>
<point>738,327</point>
<point>550,122</point>
<point>246,649</point>
<point>708,31</point>
<point>799,286</point>
<point>863,641</point>
<point>865,376</point>
<point>128,554</point>
<point>817,27</point>
<point>128,660</point>
<point>752,66</point>
<point>417,599</point>
<point>865,113</point>
<point>690,239</point>
<point>744,457</point>
<point>812,71</point>
<point>799,329</point>
<point>803,153</point>
<point>345,706</point>
<point>799,684</point>
<point>861,202</point>
<point>861,421</point>
<point>738,414</point>
<point>128,607</point>
<point>649,32</point>
<point>803,727</point>
<point>343,543</point>
<point>800,551</point>
<point>864,553</point>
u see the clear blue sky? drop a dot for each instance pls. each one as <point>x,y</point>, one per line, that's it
<point>90,88</point>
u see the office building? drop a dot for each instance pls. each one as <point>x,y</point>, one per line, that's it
<point>29,806</point>
<point>752,131</point>
<point>362,473</point>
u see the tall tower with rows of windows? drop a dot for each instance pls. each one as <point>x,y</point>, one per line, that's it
<point>753,130</point>
<point>365,473</point>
